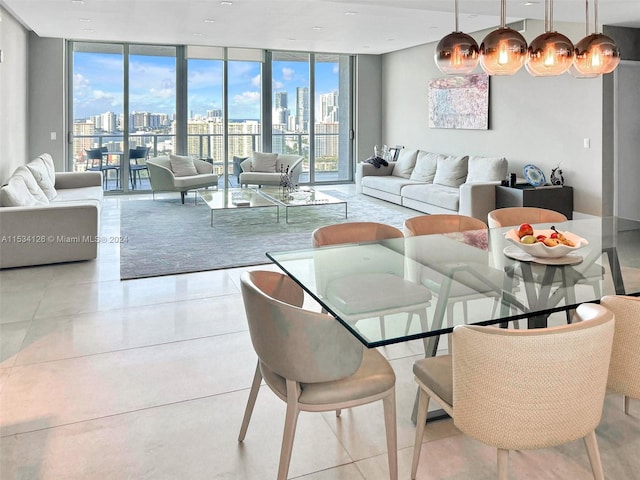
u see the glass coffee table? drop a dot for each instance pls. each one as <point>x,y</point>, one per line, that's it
<point>236,198</point>
<point>305,197</point>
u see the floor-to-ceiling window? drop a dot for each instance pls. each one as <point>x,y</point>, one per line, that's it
<point>208,102</point>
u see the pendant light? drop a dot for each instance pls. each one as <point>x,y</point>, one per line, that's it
<point>550,53</point>
<point>573,70</point>
<point>596,54</point>
<point>503,51</point>
<point>457,53</point>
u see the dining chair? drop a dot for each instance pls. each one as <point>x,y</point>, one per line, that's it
<point>522,389</point>
<point>624,371</point>
<point>361,292</point>
<point>310,361</point>
<point>95,163</point>
<point>137,164</point>
<point>467,286</point>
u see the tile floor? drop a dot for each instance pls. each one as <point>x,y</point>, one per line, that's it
<point>148,379</point>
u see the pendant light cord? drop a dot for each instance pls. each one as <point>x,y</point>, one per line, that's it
<point>455,7</point>
<point>503,13</point>
<point>595,16</point>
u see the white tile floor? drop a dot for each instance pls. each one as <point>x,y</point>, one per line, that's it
<point>148,378</point>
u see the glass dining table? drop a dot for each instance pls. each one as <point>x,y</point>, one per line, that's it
<point>468,266</point>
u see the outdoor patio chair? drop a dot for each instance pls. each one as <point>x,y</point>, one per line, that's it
<point>96,163</point>
<point>137,164</point>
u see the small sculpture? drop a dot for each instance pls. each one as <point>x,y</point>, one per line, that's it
<point>556,176</point>
<point>286,184</point>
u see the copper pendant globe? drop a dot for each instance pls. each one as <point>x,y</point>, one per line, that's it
<point>596,54</point>
<point>503,52</point>
<point>457,53</point>
<point>549,54</point>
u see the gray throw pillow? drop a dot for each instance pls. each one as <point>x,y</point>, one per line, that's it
<point>487,169</point>
<point>264,162</point>
<point>451,171</point>
<point>182,166</point>
<point>425,169</point>
<point>405,163</point>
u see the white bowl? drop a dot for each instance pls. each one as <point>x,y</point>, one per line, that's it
<point>539,249</point>
<point>300,195</point>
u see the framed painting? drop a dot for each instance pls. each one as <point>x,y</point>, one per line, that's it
<point>459,102</point>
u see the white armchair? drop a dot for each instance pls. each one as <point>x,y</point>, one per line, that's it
<point>251,175</point>
<point>164,178</point>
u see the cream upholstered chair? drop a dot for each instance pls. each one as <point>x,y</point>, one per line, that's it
<point>441,223</point>
<point>522,389</point>
<point>310,361</point>
<point>180,174</point>
<point>353,289</point>
<point>506,217</point>
<point>624,371</point>
<point>266,168</point>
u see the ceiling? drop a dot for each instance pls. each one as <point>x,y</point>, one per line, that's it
<point>333,26</point>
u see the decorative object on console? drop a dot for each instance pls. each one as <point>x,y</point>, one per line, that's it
<point>503,51</point>
<point>459,102</point>
<point>457,52</point>
<point>556,176</point>
<point>534,175</point>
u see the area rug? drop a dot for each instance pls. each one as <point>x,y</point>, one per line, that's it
<point>164,237</point>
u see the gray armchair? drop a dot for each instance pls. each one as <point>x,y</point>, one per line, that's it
<point>163,179</point>
<point>294,162</point>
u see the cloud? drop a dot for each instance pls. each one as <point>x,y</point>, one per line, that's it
<point>277,85</point>
<point>256,81</point>
<point>246,98</point>
<point>288,73</point>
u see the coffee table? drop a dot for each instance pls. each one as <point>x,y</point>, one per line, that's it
<point>236,199</point>
<point>313,198</point>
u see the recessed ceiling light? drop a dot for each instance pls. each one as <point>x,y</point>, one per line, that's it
<point>350,13</point>
<point>197,34</point>
<point>209,20</point>
<point>226,3</point>
<point>79,2</point>
<point>316,28</point>
<point>528,4</point>
<point>88,30</point>
<point>84,19</point>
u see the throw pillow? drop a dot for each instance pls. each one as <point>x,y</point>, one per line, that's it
<point>451,171</point>
<point>16,194</point>
<point>48,163</point>
<point>32,185</point>
<point>405,163</point>
<point>376,161</point>
<point>182,166</point>
<point>487,169</point>
<point>40,172</point>
<point>425,169</point>
<point>264,162</point>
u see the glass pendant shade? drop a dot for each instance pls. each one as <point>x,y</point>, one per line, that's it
<point>549,54</point>
<point>503,52</point>
<point>457,53</point>
<point>596,54</point>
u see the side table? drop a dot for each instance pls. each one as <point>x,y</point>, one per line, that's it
<point>558,198</point>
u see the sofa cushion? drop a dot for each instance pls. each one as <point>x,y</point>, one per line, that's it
<point>425,168</point>
<point>451,171</point>
<point>31,184</point>
<point>405,163</point>
<point>486,169</point>
<point>264,162</point>
<point>386,183</point>
<point>48,163</point>
<point>16,194</point>
<point>92,195</point>
<point>182,166</point>
<point>434,194</point>
<point>41,171</point>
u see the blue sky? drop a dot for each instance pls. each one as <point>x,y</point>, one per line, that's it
<point>98,84</point>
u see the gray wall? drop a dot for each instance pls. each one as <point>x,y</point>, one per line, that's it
<point>543,121</point>
<point>13,95</point>
<point>368,106</point>
<point>47,97</point>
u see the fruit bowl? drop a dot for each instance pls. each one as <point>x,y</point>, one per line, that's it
<point>540,250</point>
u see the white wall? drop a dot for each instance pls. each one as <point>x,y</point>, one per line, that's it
<point>13,95</point>
<point>531,120</point>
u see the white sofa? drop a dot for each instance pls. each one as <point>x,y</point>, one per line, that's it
<point>267,168</point>
<point>47,216</point>
<point>435,183</point>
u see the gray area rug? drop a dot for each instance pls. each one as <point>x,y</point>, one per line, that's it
<point>165,237</point>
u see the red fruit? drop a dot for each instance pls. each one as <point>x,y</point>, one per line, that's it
<point>525,229</point>
<point>541,238</point>
<point>554,235</point>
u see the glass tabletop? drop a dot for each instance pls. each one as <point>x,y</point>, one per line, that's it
<point>378,290</point>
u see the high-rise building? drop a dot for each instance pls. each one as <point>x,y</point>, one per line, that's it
<point>327,139</point>
<point>329,108</point>
<point>302,109</point>
<point>281,100</point>
<point>82,140</point>
<point>108,122</point>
